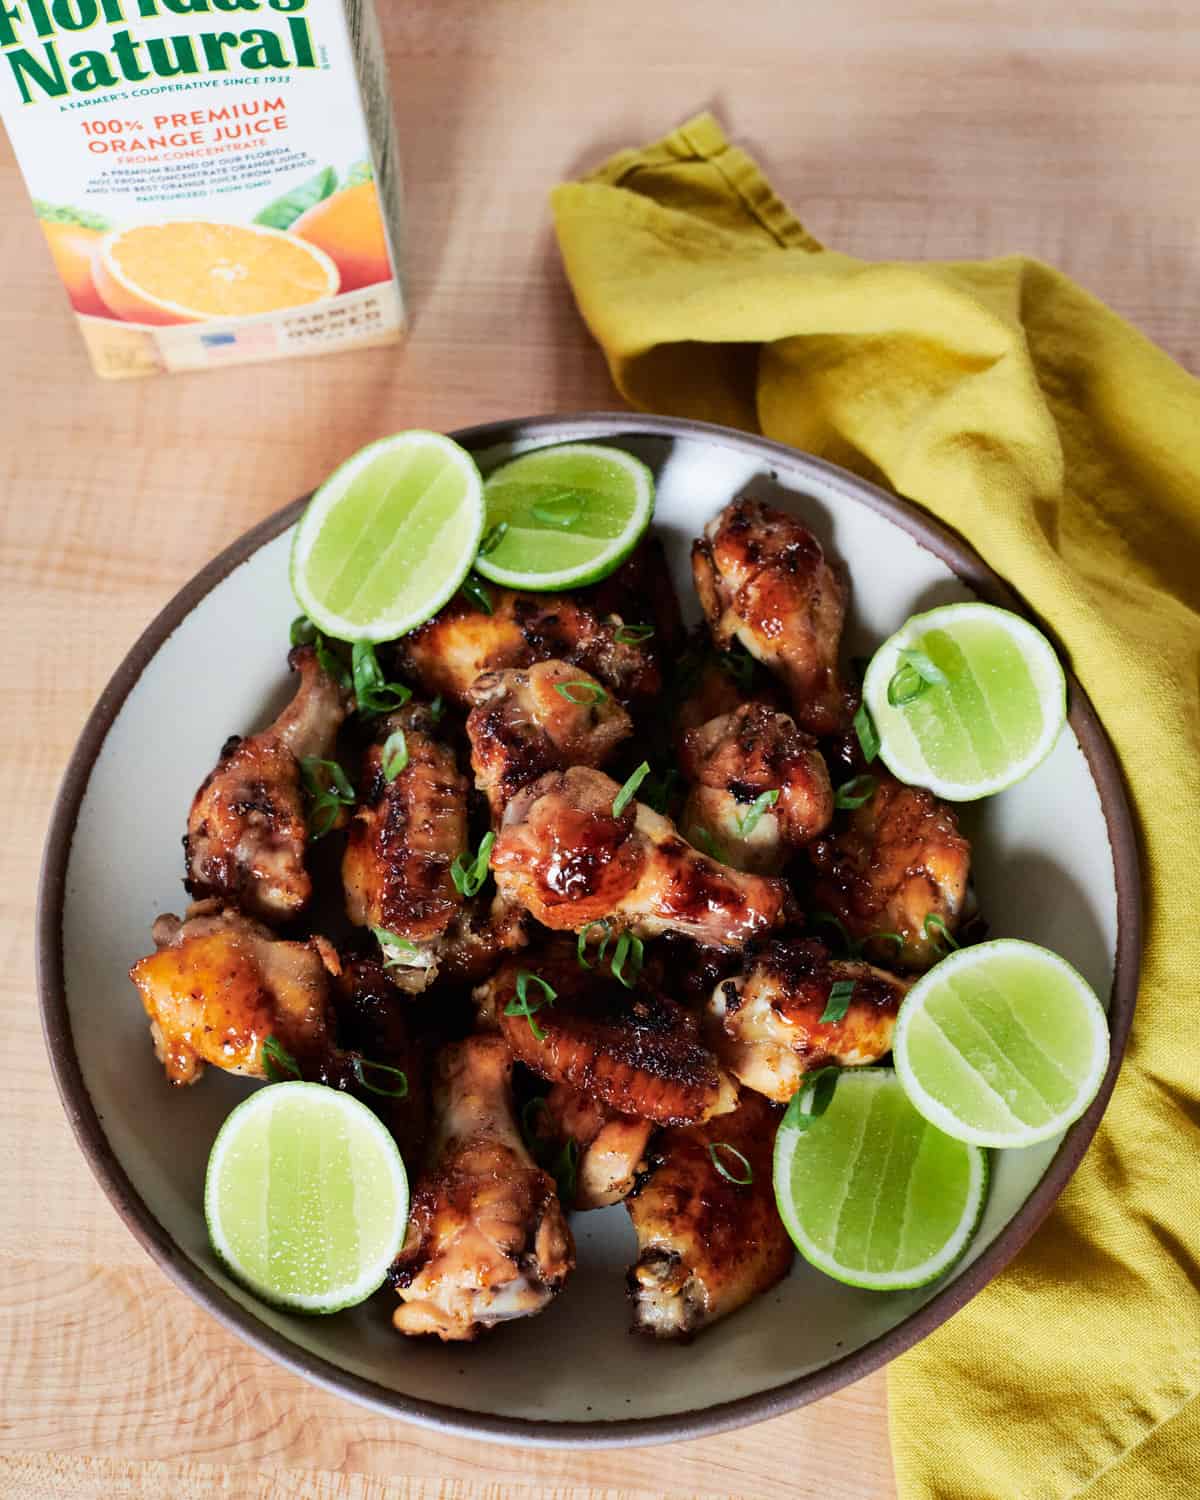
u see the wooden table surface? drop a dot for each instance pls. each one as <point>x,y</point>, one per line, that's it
<point>959,128</point>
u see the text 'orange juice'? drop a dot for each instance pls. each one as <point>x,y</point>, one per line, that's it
<point>216,179</point>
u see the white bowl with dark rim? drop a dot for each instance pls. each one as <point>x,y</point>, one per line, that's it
<point>1054,861</point>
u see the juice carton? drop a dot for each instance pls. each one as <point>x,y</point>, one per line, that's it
<point>217,179</point>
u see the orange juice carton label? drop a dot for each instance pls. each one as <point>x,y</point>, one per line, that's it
<point>216,179</point>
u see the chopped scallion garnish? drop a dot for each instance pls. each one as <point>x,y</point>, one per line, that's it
<point>278,1063</point>
<point>524,1006</point>
<point>740,666</point>
<point>475,592</point>
<point>581,692</point>
<point>632,635</point>
<point>395,755</point>
<point>629,949</point>
<point>938,933</point>
<point>303,631</point>
<point>398,1090</point>
<point>469,872</point>
<point>581,944</point>
<point>392,943</point>
<point>373,693</point>
<point>493,539</point>
<point>751,818</point>
<point>840,995</point>
<point>915,674</point>
<point>328,790</point>
<point>868,736</point>
<point>625,796</point>
<point>747,1171</point>
<point>811,1099</point>
<point>855,792</point>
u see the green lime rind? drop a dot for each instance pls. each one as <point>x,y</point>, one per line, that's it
<point>994,720</point>
<point>872,1194</point>
<point>306,1197</point>
<point>388,538</point>
<point>604,500</point>
<point>1002,1044</point>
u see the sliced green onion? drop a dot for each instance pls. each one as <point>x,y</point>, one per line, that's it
<point>278,1063</point>
<point>331,664</point>
<point>631,949</point>
<point>868,735</point>
<point>493,539</point>
<point>565,1170</point>
<point>328,790</point>
<point>436,709</point>
<point>392,940</point>
<point>747,1176</point>
<point>657,791</point>
<point>740,666</point>
<point>475,592</point>
<point>580,693</point>
<point>751,818</point>
<point>840,995</point>
<point>855,792</point>
<point>582,942</point>
<point>632,635</point>
<point>885,937</point>
<point>524,1006</point>
<point>303,631</point>
<point>941,936</point>
<point>562,509</point>
<point>625,796</point>
<point>395,755</point>
<point>373,693</point>
<point>827,919</point>
<point>811,1099</point>
<point>701,839</point>
<point>469,872</point>
<point>914,676</point>
<point>399,1090</point>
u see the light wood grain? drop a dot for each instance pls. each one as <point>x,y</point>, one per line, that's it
<point>953,129</point>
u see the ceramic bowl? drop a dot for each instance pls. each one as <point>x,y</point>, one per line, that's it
<point>1054,862</point>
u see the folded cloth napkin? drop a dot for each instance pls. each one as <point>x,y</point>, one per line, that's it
<point>1066,449</point>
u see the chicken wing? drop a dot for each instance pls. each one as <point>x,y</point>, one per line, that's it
<point>247,830</point>
<point>220,984</point>
<point>898,862</point>
<point>760,788</point>
<point>707,1244</point>
<point>487,1240</point>
<point>604,1148</point>
<point>600,629</point>
<point>766,1023</point>
<point>634,1051</point>
<point>404,838</point>
<point>526,721</point>
<point>564,856</point>
<point>764,581</point>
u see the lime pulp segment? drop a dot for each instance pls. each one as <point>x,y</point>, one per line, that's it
<point>873,1194</point>
<point>1002,1044</point>
<point>306,1197</point>
<point>564,515</point>
<point>388,537</point>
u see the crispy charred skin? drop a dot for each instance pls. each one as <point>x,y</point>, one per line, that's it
<point>766,1026</point>
<point>220,984</point>
<point>529,720</point>
<point>706,1246</point>
<point>247,830</point>
<point>487,1240</point>
<point>404,838</point>
<point>636,1052</point>
<point>898,859</point>
<point>763,580</point>
<point>375,1025</point>
<point>735,759</point>
<point>564,856</point>
<point>449,652</point>
<point>610,1147</point>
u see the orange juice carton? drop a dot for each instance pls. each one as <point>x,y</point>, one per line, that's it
<point>217,180</point>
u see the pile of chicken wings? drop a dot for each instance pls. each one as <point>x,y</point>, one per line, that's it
<point>588,893</point>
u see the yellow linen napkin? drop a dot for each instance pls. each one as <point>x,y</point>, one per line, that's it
<point>1066,448</point>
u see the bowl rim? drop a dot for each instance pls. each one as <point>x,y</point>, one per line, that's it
<point>1102,763</point>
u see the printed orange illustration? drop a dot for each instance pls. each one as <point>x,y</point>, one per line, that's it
<point>73,247</point>
<point>348,226</point>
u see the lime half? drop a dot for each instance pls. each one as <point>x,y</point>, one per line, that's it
<point>966,700</point>
<point>1002,1044</point>
<point>388,537</point>
<point>306,1197</point>
<point>871,1193</point>
<point>557,517</point>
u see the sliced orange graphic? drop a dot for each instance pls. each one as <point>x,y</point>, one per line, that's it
<point>348,226</point>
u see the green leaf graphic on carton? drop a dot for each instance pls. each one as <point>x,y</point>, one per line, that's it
<point>283,212</point>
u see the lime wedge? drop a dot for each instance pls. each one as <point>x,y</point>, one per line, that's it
<point>1002,1044</point>
<point>871,1193</point>
<point>388,537</point>
<point>966,700</point>
<point>557,517</point>
<point>306,1197</point>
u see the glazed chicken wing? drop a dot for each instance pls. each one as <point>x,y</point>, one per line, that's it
<point>586,628</point>
<point>247,831</point>
<point>220,985</point>
<point>736,761</point>
<point>564,856</point>
<point>707,1245</point>
<point>529,720</point>
<point>487,1240</point>
<point>404,838</point>
<point>898,861</point>
<point>766,1022</point>
<point>606,1148</point>
<point>634,1051</point>
<point>764,581</point>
